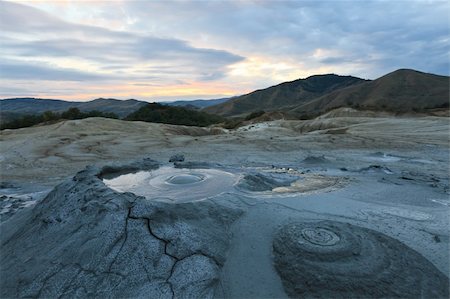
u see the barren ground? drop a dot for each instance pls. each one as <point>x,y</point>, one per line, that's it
<point>393,177</point>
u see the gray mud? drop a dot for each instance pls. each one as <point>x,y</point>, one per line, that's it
<point>91,239</point>
<point>265,181</point>
<point>15,197</point>
<point>333,259</point>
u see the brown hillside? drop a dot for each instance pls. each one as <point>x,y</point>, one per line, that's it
<point>400,91</point>
<point>283,95</point>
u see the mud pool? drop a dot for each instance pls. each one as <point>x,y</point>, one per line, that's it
<point>175,184</point>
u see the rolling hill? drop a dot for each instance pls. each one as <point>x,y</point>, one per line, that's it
<point>284,95</point>
<point>401,91</point>
<point>21,106</point>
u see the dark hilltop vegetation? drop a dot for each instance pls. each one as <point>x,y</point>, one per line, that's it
<point>22,106</point>
<point>151,112</point>
<point>158,113</point>
<point>29,120</point>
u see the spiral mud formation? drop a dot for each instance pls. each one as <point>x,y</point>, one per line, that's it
<point>330,259</point>
<point>170,184</point>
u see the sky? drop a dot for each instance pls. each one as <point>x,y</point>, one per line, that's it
<point>171,50</point>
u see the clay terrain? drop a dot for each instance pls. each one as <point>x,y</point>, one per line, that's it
<point>351,204</point>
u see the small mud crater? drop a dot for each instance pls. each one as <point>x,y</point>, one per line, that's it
<point>185,179</point>
<point>333,259</point>
<point>319,236</point>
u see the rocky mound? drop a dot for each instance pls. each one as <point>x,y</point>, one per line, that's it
<point>87,240</point>
<point>376,169</point>
<point>330,259</point>
<point>313,160</point>
<point>265,182</point>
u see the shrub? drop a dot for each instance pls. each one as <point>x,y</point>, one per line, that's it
<point>158,113</point>
<point>34,119</point>
<point>232,124</point>
<point>254,115</point>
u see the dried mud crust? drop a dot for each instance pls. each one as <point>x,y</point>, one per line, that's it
<point>258,182</point>
<point>290,183</point>
<point>310,183</point>
<point>329,259</point>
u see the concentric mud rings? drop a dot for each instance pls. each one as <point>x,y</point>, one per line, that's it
<point>320,236</point>
<point>185,179</point>
<point>175,185</point>
<point>332,259</point>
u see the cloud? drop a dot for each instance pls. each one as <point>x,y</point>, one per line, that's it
<point>373,37</point>
<point>32,71</point>
<point>47,37</point>
<point>133,50</point>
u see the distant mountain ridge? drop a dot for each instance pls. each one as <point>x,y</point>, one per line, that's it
<point>21,106</point>
<point>283,95</point>
<point>401,91</point>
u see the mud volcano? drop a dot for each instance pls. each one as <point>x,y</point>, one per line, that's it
<point>87,240</point>
<point>330,259</point>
